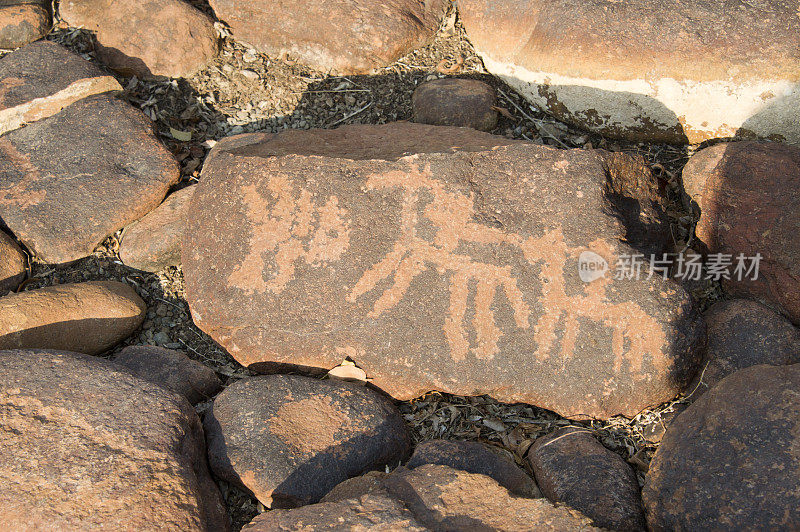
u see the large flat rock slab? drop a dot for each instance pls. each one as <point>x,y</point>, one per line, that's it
<point>654,70</point>
<point>344,36</point>
<point>85,445</point>
<point>732,459</point>
<point>23,21</point>
<point>70,180</point>
<point>439,268</point>
<point>39,80</point>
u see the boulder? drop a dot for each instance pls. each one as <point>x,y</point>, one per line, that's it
<point>99,146</point>
<point>290,439</point>
<point>732,459</point>
<point>430,497</point>
<point>150,38</point>
<point>154,242</point>
<point>455,102</point>
<point>13,264</point>
<point>443,259</point>
<point>673,71</point>
<point>41,79</point>
<point>171,369</point>
<point>343,36</point>
<point>475,457</point>
<point>86,317</point>
<point>741,334</point>
<point>748,194</point>
<point>88,446</point>
<point>23,21</point>
<point>573,468</point>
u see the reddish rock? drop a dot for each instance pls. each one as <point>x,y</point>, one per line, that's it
<point>23,21</point>
<point>573,468</point>
<point>290,439</point>
<point>171,369</point>
<point>39,80</point>
<point>154,242</point>
<point>88,446</point>
<point>86,317</point>
<point>648,70</point>
<point>455,102</point>
<point>345,36</point>
<point>151,38</point>
<point>741,334</point>
<point>474,457</point>
<point>69,181</point>
<point>431,497</point>
<point>749,199</point>
<point>732,459</point>
<point>439,268</point>
<point>13,263</point>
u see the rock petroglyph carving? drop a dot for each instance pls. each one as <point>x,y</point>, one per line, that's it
<point>453,216</point>
<point>295,229</point>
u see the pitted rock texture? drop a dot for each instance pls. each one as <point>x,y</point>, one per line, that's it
<point>86,317</point>
<point>69,181</point>
<point>430,497</point>
<point>85,445</point>
<point>654,70</point>
<point>741,334</point>
<point>732,459</point>
<point>171,369</point>
<point>13,263</point>
<point>23,21</point>
<point>154,242</point>
<point>146,38</point>
<point>290,439</point>
<point>749,199</point>
<point>343,36</point>
<point>573,468</point>
<point>475,457</point>
<point>39,80</point>
<point>439,268</point>
<point>455,102</point>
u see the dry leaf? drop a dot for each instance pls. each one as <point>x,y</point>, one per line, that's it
<point>503,111</point>
<point>183,136</point>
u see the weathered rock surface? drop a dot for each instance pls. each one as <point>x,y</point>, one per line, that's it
<point>86,317</point>
<point>573,468</point>
<point>171,369</point>
<point>150,38</point>
<point>741,334</point>
<point>13,262</point>
<point>653,70</point>
<point>68,181</point>
<point>345,36</point>
<point>39,80</point>
<point>154,242</point>
<point>732,459</point>
<point>23,21</point>
<point>474,457</point>
<point>455,102</point>
<point>85,445</point>
<point>291,439</point>
<point>439,270</point>
<point>430,497</point>
<point>749,199</point>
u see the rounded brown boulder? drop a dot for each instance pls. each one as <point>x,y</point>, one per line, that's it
<point>22,22</point>
<point>741,334</point>
<point>573,468</point>
<point>85,445</point>
<point>731,461</point>
<point>12,264</point>
<point>455,102</point>
<point>86,317</point>
<point>290,439</point>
